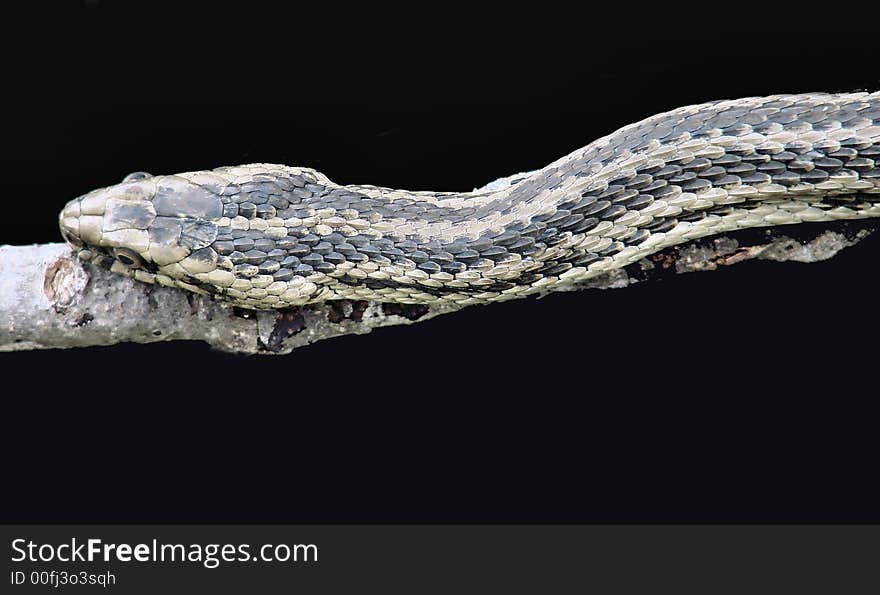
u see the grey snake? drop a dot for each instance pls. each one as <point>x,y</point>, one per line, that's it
<point>269,236</point>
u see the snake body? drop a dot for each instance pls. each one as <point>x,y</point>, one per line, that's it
<point>269,236</point>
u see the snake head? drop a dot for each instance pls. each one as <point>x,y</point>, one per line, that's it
<point>146,226</point>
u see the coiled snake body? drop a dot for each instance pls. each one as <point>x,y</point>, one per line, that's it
<point>270,236</point>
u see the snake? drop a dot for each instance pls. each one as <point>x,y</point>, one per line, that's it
<point>265,236</point>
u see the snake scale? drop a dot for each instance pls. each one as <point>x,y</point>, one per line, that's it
<point>269,236</point>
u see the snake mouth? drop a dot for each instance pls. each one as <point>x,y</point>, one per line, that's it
<point>116,261</point>
<point>68,222</point>
<point>71,239</point>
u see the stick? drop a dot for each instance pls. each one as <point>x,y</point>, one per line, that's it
<point>50,300</point>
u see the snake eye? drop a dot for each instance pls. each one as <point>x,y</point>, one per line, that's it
<point>136,175</point>
<point>129,258</point>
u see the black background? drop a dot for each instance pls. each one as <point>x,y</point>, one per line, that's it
<point>746,394</point>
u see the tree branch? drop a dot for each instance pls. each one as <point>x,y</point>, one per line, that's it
<point>50,300</point>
